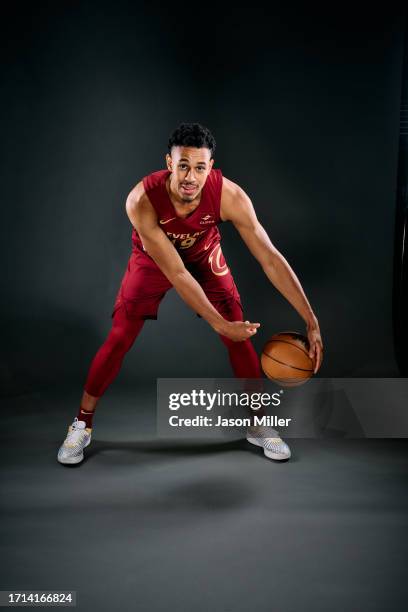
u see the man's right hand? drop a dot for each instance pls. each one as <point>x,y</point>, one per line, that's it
<point>238,331</point>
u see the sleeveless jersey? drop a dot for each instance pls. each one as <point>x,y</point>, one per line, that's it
<point>199,230</point>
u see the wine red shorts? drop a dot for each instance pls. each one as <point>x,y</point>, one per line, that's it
<point>144,285</point>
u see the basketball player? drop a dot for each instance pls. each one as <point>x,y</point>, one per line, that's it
<point>176,243</point>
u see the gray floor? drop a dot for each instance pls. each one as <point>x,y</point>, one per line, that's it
<point>147,524</point>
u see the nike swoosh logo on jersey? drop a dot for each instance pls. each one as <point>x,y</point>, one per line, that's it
<point>164,221</point>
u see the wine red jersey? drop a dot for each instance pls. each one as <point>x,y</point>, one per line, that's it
<point>197,240</point>
<point>199,230</point>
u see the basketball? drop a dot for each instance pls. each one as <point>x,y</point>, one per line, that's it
<point>285,359</point>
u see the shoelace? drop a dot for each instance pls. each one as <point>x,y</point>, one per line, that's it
<point>75,436</point>
<point>274,444</point>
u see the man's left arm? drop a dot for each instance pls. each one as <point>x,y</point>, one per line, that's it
<point>237,207</point>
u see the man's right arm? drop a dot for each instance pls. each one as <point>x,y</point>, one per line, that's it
<point>144,219</point>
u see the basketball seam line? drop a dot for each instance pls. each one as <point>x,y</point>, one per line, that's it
<point>285,364</point>
<point>291,344</point>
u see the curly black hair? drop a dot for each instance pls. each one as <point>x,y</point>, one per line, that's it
<point>192,135</point>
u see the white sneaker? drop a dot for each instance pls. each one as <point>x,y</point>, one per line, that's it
<point>268,438</point>
<point>78,438</point>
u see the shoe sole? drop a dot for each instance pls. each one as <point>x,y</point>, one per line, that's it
<point>74,460</point>
<point>268,453</point>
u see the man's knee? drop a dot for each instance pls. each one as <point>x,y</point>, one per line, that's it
<point>123,334</point>
<point>118,341</point>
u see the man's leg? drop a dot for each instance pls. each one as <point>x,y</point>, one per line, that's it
<point>108,360</point>
<point>104,368</point>
<point>142,288</point>
<point>245,364</point>
<point>220,288</point>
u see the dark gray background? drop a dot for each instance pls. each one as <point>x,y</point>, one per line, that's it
<point>304,106</point>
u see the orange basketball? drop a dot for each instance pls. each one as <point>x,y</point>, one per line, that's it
<point>285,359</point>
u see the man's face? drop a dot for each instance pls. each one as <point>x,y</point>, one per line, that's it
<point>190,167</point>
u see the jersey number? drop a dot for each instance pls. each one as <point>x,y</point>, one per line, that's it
<point>184,244</point>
